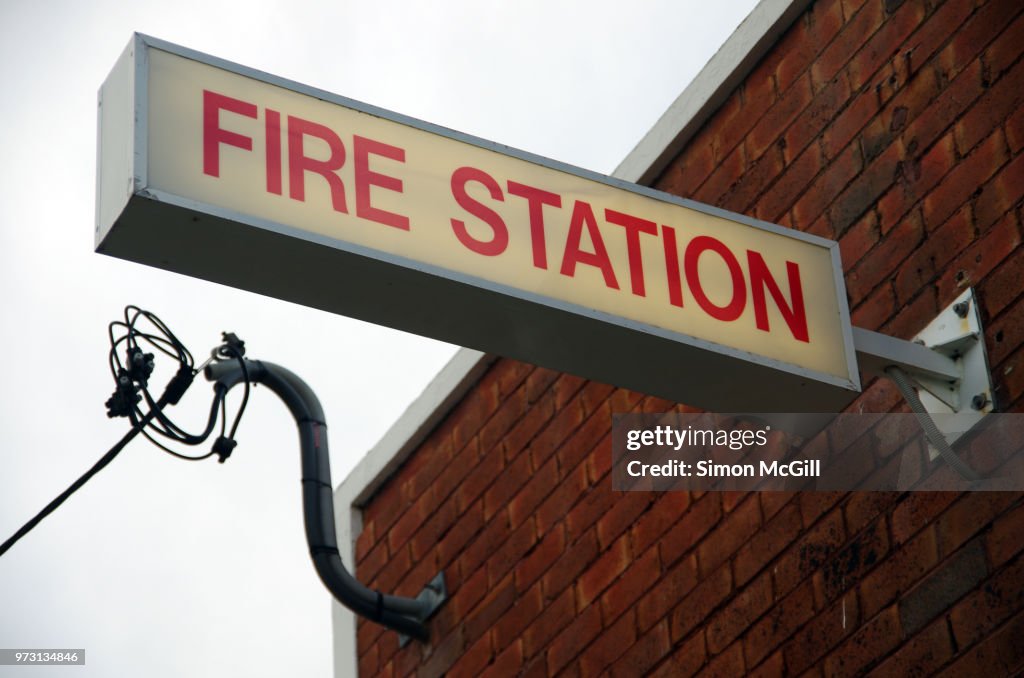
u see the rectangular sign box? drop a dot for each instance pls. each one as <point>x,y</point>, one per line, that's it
<point>224,173</point>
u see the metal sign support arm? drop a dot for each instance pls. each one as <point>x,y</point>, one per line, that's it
<point>946,364</point>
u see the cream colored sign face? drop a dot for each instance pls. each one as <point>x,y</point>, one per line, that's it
<point>240,144</point>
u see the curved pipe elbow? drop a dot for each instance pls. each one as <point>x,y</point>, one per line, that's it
<point>405,615</point>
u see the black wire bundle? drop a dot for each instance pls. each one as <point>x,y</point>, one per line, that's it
<point>132,376</point>
<point>131,379</point>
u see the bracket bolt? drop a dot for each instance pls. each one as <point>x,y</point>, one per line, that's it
<point>979,401</point>
<point>962,308</point>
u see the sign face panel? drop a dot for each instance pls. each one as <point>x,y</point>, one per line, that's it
<point>317,199</point>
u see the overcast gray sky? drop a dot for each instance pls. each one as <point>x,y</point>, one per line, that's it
<point>160,567</point>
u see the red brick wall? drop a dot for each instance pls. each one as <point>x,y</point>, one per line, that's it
<point>894,127</point>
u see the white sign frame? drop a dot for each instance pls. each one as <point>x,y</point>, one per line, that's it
<point>141,223</point>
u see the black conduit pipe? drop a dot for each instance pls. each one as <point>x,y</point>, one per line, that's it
<point>405,615</point>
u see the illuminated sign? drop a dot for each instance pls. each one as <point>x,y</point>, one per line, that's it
<point>217,171</point>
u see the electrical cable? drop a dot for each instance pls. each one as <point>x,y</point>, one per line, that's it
<point>132,378</point>
<point>82,480</point>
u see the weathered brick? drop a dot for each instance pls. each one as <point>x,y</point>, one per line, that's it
<point>1000,288</point>
<point>486,542</point>
<point>726,174</point>
<point>990,110</point>
<point>592,432</point>
<point>424,467</point>
<point>1004,540</point>
<point>917,175</point>
<point>943,587</point>
<point>557,615</point>
<point>792,181</point>
<point>736,528</point>
<point>483,475</point>
<point>758,176</point>
<point>394,570</point>
<point>665,511</point>
<point>473,660</point>
<point>739,613</point>
<point>673,585</point>
<point>515,475</point>
<point>443,656</point>
<point>625,508</point>
<point>468,524</point>
<point>373,562</point>
<point>602,572</point>
<point>694,609</point>
<point>438,523</point>
<point>609,646</point>
<point>912,317</point>
<point>859,239</point>
<point>1015,131</point>
<point>856,558</point>
<point>837,175</point>
<point>808,553</point>
<point>932,256</point>
<point>871,641</point>
<point>511,552</point>
<point>506,663</point>
<point>563,497</point>
<point>805,40</point>
<point>1000,195</point>
<point>883,261</point>
<point>922,655</point>
<point>983,610</point>
<point>972,513</point>
<point>686,660</point>
<point>845,44</point>
<point>778,117</point>
<point>524,610</point>
<point>976,33</point>
<point>873,311</point>
<point>526,500</point>
<point>945,108</point>
<point>876,51</point>
<point>1001,654</point>
<point>567,568</point>
<point>566,420</point>
<point>534,564</point>
<point>640,575</point>
<point>691,526</point>
<point>956,188</point>
<point>781,620</point>
<point>568,644</point>
<point>821,634</point>
<point>729,663</point>
<point>644,654</point>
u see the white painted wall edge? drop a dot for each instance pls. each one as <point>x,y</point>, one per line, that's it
<point>419,419</point>
<point>733,61</point>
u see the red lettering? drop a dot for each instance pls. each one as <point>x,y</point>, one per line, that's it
<point>299,163</point>
<point>365,178</point>
<point>536,199</point>
<point>499,241</point>
<point>675,286</point>
<point>273,134</point>
<point>214,135</point>
<point>583,215</point>
<point>634,227</point>
<point>761,278</point>
<point>691,258</point>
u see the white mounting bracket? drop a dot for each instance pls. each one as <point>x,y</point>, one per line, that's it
<point>946,361</point>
